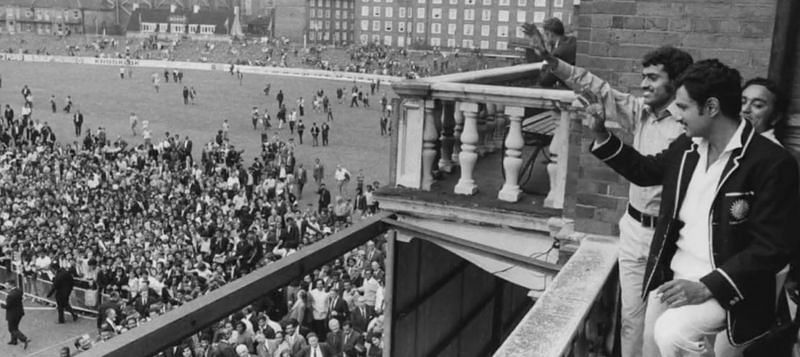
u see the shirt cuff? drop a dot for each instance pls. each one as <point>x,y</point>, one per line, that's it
<point>596,145</point>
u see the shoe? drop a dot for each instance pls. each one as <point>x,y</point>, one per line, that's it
<point>25,344</point>
<point>60,322</point>
<point>12,342</point>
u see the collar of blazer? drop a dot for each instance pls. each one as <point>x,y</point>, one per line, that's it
<point>691,158</point>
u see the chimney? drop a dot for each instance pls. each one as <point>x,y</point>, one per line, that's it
<point>172,8</point>
<point>196,9</point>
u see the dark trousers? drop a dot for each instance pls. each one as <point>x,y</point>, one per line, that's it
<point>324,140</point>
<point>13,329</point>
<point>77,130</point>
<point>62,303</point>
<point>315,140</point>
<point>320,327</point>
<point>300,136</point>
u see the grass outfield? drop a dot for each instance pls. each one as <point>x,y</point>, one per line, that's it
<point>107,101</point>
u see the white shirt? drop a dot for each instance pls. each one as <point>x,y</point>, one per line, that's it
<point>692,260</point>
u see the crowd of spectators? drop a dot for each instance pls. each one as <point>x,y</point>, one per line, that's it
<point>369,58</point>
<point>152,227</point>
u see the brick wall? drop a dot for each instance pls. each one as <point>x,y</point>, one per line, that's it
<point>612,38</point>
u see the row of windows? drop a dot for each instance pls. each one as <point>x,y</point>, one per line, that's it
<point>326,14</point>
<point>178,28</point>
<point>337,25</point>
<point>327,36</point>
<point>520,3</point>
<point>436,28</point>
<point>452,14</point>
<point>434,41</point>
<point>342,4</point>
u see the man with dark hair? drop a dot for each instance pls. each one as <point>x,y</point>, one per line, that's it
<point>561,46</point>
<point>727,224</point>
<point>14,312</point>
<point>653,129</point>
<point>62,288</point>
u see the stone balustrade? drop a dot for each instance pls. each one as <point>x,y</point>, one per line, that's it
<point>448,123</point>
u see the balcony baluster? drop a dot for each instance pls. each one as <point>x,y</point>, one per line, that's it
<point>512,162</point>
<point>447,139</point>
<point>469,145</point>
<point>429,138</point>
<point>458,117</point>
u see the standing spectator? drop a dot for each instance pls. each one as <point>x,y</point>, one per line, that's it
<point>68,104</point>
<point>192,93</point>
<point>301,175</point>
<point>53,104</point>
<point>324,197</point>
<point>15,310</point>
<point>292,121</point>
<point>62,288</point>
<point>279,97</point>
<point>225,128</point>
<point>301,106</point>
<point>77,122</point>
<point>319,307</point>
<point>300,129</point>
<point>314,134</point>
<point>318,172</point>
<point>342,177</point>
<point>326,129</point>
<point>133,120</point>
<point>254,117</point>
<point>384,121</point>
<point>185,94</point>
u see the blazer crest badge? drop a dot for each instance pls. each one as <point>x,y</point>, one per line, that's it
<point>740,209</point>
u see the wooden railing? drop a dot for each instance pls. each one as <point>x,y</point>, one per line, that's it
<point>459,118</point>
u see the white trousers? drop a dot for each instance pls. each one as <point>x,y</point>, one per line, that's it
<point>689,330</point>
<point>634,247</point>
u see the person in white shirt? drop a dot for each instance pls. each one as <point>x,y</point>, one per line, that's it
<point>319,307</point>
<point>342,177</point>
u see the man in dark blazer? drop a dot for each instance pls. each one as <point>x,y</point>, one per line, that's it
<point>144,299</point>
<point>361,315</point>
<point>338,308</point>
<point>315,348</point>
<point>62,288</point>
<point>350,339</point>
<point>14,312</point>
<point>728,222</point>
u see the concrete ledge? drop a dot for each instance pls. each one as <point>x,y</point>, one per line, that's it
<point>548,329</point>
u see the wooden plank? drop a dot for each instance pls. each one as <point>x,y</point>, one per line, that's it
<point>166,330</point>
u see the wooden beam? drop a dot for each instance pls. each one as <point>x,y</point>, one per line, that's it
<point>500,254</point>
<point>169,329</point>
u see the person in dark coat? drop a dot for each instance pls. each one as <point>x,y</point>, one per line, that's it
<point>62,288</point>
<point>14,312</point>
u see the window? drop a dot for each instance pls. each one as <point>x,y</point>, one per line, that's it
<point>502,16</point>
<point>539,3</point>
<point>452,14</point>
<point>388,12</point>
<point>338,14</point>
<point>387,40</point>
<point>502,45</point>
<point>485,30</point>
<point>522,3</point>
<point>436,28</point>
<point>505,2</point>
<point>538,17</point>
<point>192,28</point>
<point>376,25</point>
<point>401,41</point>
<point>336,25</point>
<point>470,2</point>
<point>207,29</point>
<point>521,16</point>
<point>327,24</point>
<point>453,2</point>
<point>387,25</point>
<point>558,15</point>
<point>420,28</point>
<point>149,27</point>
<point>421,13</point>
<point>389,1</point>
<point>338,3</point>
<point>436,13</point>
<point>327,14</point>
<point>486,15</point>
<point>451,29</point>
<point>401,12</point>
<point>451,42</point>
<point>162,27</point>
<point>435,41</point>
<point>484,45</point>
<point>364,39</point>
<point>364,25</point>
<point>176,28</point>
<point>365,11</point>
<point>401,27</point>
<point>502,31</point>
<point>467,44</point>
<point>421,1</point>
<point>519,33</point>
<point>376,11</point>
<point>376,38</point>
<point>469,14</point>
<point>437,1</point>
<point>469,29</point>
<point>558,3</point>
<point>377,0</point>
<point>487,2</point>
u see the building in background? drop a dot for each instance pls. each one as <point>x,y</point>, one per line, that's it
<point>174,23</point>
<point>331,21</point>
<point>54,17</point>
<point>483,24</point>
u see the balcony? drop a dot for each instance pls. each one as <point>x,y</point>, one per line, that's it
<point>471,146</point>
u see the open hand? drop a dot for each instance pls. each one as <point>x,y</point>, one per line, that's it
<point>537,43</point>
<point>596,108</point>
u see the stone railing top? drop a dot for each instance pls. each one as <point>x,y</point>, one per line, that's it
<point>549,327</point>
<point>486,86</point>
